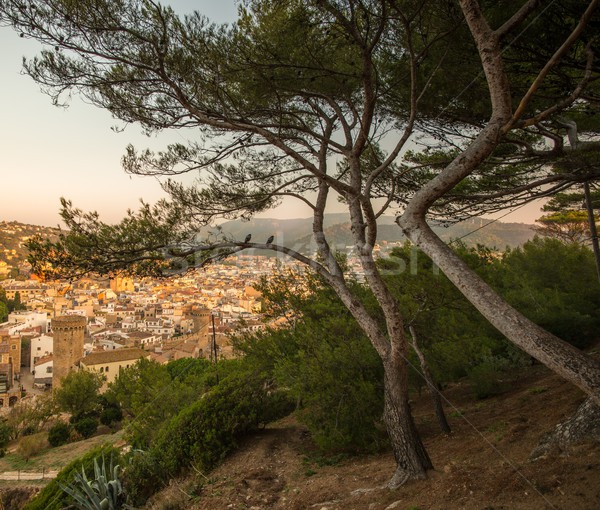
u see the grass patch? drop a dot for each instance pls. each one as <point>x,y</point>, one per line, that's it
<point>55,458</point>
<point>499,428</point>
<point>537,390</point>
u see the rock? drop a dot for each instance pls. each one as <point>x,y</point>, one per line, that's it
<point>584,425</point>
<point>358,492</point>
<point>395,504</point>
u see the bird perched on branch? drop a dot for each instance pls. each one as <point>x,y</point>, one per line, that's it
<point>270,240</point>
<point>248,237</point>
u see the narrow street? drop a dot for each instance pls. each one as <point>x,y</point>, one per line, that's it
<point>26,380</point>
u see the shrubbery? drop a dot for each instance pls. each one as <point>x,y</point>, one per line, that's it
<point>6,433</point>
<point>59,434</point>
<point>489,377</point>
<point>110,415</point>
<point>209,429</point>
<point>203,433</point>
<point>86,427</point>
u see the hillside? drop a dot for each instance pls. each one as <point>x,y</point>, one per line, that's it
<point>297,232</point>
<point>483,464</point>
<point>13,254</point>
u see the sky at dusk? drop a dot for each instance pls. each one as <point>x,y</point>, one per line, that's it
<point>49,152</point>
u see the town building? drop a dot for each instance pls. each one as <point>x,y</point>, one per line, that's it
<point>110,363</point>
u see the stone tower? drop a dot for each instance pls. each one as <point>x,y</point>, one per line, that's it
<point>67,345</point>
<point>201,318</point>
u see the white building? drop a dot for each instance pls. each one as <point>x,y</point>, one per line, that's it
<point>31,319</point>
<point>41,346</point>
<point>42,372</point>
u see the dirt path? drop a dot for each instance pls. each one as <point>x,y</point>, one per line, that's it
<point>28,475</point>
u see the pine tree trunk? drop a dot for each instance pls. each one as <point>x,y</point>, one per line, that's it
<point>431,385</point>
<point>412,460</point>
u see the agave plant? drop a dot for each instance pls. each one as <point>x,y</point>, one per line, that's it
<point>104,492</point>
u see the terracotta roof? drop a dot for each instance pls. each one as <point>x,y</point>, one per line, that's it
<point>97,358</point>
<point>140,334</point>
<point>43,360</point>
<point>186,347</point>
<point>159,358</point>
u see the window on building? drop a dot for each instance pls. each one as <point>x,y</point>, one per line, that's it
<point>39,348</point>
<point>48,370</point>
<point>106,369</point>
<point>14,347</point>
<point>101,369</point>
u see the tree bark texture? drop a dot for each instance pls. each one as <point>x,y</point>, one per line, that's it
<point>412,460</point>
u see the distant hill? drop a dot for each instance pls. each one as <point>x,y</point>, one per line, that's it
<point>13,254</point>
<point>297,233</point>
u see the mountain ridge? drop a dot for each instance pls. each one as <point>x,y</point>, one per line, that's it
<point>298,231</point>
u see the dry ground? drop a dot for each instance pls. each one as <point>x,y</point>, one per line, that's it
<point>483,464</point>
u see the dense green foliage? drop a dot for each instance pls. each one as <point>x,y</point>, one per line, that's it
<point>59,434</point>
<point>326,362</point>
<point>86,427</point>
<point>150,394</point>
<point>335,376</point>
<point>555,285</point>
<point>78,393</point>
<point>5,436</point>
<point>9,305</point>
<point>111,415</point>
<point>208,429</point>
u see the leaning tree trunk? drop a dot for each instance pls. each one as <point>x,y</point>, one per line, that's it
<point>431,385</point>
<point>412,460</point>
<point>561,357</point>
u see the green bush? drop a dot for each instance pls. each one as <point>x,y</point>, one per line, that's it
<point>86,427</point>
<point>59,434</point>
<point>488,378</point>
<point>206,431</point>
<point>52,497</point>
<point>340,387</point>
<point>110,415</point>
<point>142,477</point>
<point>6,432</point>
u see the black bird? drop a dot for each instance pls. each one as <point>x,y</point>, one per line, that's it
<point>270,240</point>
<point>248,237</point>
